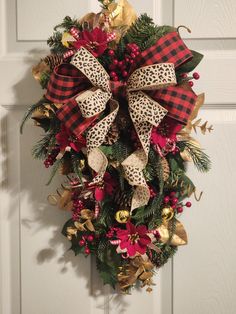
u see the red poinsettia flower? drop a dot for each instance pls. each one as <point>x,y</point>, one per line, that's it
<point>65,138</point>
<point>133,239</point>
<point>164,132</point>
<point>95,41</point>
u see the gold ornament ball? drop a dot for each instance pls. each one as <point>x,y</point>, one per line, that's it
<point>167,213</point>
<point>122,216</point>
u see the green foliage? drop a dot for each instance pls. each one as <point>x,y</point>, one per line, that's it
<point>107,273</point>
<point>76,167</point>
<point>31,110</point>
<point>145,33</point>
<point>105,6</point>
<point>106,215</point>
<point>152,212</point>
<point>200,159</point>
<point>167,251</point>
<point>44,79</point>
<point>44,145</point>
<point>192,64</point>
<point>67,24</point>
<point>55,168</point>
<point>54,42</point>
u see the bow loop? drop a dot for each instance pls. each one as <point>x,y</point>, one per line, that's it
<point>152,77</point>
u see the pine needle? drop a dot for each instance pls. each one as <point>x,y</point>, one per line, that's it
<point>55,168</point>
<point>200,159</point>
<point>31,110</point>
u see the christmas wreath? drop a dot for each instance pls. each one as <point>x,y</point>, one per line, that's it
<point>117,113</point>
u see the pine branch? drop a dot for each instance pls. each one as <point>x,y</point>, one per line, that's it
<point>200,159</point>
<point>55,168</point>
<point>54,42</point>
<point>145,33</point>
<point>68,23</point>
<point>76,168</point>
<point>31,110</point>
<point>44,145</point>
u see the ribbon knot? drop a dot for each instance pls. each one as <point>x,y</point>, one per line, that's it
<point>145,111</point>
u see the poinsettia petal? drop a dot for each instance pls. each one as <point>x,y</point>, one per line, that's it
<point>131,250</point>
<point>140,248</point>
<point>130,228</point>
<point>144,240</point>
<point>141,229</point>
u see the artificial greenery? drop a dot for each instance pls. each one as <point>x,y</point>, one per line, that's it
<point>100,202</point>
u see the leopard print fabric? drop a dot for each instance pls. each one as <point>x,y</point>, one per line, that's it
<point>152,77</point>
<point>145,113</point>
<point>86,63</point>
<point>92,102</point>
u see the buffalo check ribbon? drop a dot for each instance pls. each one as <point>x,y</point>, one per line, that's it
<point>89,96</point>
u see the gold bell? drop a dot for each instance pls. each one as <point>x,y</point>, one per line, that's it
<point>122,216</point>
<point>167,213</point>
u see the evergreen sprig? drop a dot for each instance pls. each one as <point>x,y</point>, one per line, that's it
<point>55,168</point>
<point>31,110</point>
<point>68,23</point>
<point>145,33</point>
<point>44,145</point>
<point>200,159</point>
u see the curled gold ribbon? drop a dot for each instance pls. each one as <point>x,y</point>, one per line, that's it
<point>144,111</point>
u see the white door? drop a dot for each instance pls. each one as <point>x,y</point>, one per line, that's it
<point>37,276</point>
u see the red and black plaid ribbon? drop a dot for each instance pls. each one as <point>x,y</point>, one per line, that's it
<point>170,48</point>
<point>178,101</point>
<point>67,81</point>
<point>70,115</point>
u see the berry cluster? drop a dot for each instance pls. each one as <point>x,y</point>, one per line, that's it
<point>51,157</point>
<point>119,69</point>
<point>78,205</point>
<point>87,241</point>
<point>111,233</point>
<point>196,76</point>
<point>173,201</point>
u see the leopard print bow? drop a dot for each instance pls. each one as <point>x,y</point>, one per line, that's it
<point>144,111</point>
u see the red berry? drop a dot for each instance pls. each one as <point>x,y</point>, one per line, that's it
<point>111,53</point>
<point>166,199</point>
<point>113,74</point>
<point>133,55</point>
<point>87,251</point>
<point>81,243</point>
<point>115,61</point>
<point>180,210</point>
<point>112,67</point>
<point>196,76</point>
<point>172,194</point>
<point>184,75</point>
<point>188,204</point>
<point>131,61</point>
<point>121,64</point>
<point>124,73</point>
<point>191,83</point>
<point>174,201</point>
<point>127,59</point>
<point>90,238</point>
<point>115,78</point>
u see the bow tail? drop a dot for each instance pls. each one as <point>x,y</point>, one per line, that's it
<point>140,103</point>
<point>95,137</point>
